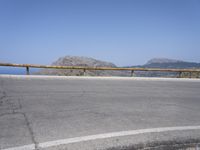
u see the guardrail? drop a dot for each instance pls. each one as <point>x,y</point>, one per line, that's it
<point>84,68</point>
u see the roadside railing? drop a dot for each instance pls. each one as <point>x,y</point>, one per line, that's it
<point>84,68</point>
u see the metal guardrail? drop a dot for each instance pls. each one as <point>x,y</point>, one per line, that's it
<point>84,68</point>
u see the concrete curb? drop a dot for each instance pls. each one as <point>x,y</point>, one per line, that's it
<point>45,77</point>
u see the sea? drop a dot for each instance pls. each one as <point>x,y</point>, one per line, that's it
<point>17,70</point>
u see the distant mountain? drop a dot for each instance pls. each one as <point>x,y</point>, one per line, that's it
<point>169,63</point>
<point>162,60</point>
<point>81,61</point>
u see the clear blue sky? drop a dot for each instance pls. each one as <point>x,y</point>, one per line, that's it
<point>125,32</point>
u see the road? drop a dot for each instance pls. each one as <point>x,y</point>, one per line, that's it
<point>96,113</point>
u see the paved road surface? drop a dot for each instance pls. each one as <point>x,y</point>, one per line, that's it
<point>38,110</point>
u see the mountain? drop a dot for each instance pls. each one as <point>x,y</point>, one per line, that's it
<point>166,63</point>
<point>170,63</point>
<point>162,60</point>
<point>81,61</point>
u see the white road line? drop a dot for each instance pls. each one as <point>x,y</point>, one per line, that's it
<point>115,134</point>
<point>25,147</point>
<point>104,136</point>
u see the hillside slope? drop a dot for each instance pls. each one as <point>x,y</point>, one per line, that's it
<point>169,63</point>
<point>81,61</point>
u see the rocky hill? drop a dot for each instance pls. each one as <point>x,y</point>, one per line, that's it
<point>170,63</point>
<point>162,60</point>
<point>167,63</point>
<point>81,61</point>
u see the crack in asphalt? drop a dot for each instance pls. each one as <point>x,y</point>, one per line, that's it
<point>4,114</point>
<point>18,110</point>
<point>28,124</point>
<point>2,97</point>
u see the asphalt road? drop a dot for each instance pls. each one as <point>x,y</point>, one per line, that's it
<point>36,110</point>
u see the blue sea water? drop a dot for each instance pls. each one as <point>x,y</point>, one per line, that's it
<point>16,70</point>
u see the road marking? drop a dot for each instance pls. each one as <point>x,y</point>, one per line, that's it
<point>104,136</point>
<point>115,134</point>
<point>25,147</point>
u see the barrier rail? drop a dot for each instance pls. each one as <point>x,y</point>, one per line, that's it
<point>84,68</point>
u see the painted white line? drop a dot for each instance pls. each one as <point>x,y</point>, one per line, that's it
<point>104,136</point>
<point>46,77</point>
<point>25,147</point>
<point>114,134</point>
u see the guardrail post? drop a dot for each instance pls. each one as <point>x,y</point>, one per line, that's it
<point>84,72</point>
<point>190,74</point>
<point>197,147</point>
<point>196,74</point>
<point>132,73</point>
<point>27,71</point>
<point>179,75</point>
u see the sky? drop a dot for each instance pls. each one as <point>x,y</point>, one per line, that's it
<point>125,32</point>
